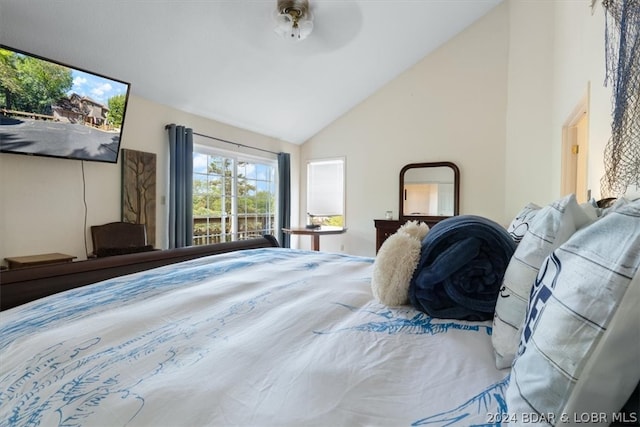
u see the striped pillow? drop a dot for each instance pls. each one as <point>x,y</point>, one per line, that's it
<point>553,226</point>
<point>521,223</point>
<point>579,349</point>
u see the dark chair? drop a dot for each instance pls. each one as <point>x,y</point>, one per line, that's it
<point>119,238</point>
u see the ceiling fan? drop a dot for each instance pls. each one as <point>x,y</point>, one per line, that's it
<point>319,25</point>
<point>294,19</point>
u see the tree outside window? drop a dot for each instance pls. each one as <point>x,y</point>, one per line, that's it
<point>233,199</point>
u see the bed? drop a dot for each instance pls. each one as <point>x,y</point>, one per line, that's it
<point>259,337</point>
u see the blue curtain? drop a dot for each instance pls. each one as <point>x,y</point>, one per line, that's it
<point>284,197</point>
<point>180,186</point>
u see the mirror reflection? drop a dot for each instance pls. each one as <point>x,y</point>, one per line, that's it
<point>429,190</point>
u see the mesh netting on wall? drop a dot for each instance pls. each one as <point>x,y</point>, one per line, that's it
<point>622,152</point>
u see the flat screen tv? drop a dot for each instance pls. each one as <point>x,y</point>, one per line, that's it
<point>51,109</point>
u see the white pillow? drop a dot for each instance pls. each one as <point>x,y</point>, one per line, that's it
<point>579,351</point>
<point>521,223</point>
<point>553,226</point>
<point>619,203</point>
<point>395,263</point>
<point>592,211</point>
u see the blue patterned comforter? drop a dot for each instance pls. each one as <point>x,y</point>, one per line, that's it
<point>260,337</point>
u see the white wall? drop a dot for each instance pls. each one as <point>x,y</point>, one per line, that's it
<point>528,172</point>
<point>494,101</point>
<point>42,206</point>
<point>451,106</point>
<point>556,58</point>
<point>579,69</point>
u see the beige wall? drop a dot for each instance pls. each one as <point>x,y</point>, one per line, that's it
<point>556,59</point>
<point>493,100</point>
<point>42,208</point>
<point>450,106</point>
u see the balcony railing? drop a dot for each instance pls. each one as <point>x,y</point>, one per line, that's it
<point>208,230</point>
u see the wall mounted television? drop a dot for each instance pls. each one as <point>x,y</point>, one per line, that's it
<point>50,109</point>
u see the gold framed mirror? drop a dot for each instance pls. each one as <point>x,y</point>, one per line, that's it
<point>429,192</point>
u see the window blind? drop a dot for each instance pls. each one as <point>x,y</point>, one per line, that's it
<point>325,187</point>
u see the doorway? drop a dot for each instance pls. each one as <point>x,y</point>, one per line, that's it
<point>575,149</point>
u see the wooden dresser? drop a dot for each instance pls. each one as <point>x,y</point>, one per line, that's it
<point>384,229</point>
<point>387,227</point>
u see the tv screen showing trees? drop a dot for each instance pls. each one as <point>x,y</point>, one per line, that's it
<point>50,109</point>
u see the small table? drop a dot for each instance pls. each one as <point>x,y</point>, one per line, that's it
<point>315,233</point>
<point>42,259</point>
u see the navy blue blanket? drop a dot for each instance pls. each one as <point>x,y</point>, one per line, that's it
<point>462,263</point>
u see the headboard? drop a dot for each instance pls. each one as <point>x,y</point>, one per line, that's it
<point>27,284</point>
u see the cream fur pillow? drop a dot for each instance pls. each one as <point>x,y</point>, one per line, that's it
<point>394,265</point>
<point>415,229</point>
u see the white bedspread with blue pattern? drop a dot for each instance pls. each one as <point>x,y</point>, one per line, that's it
<point>263,337</point>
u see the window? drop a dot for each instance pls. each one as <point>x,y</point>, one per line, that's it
<point>234,196</point>
<point>325,192</point>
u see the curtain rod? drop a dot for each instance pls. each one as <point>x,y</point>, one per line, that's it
<point>237,144</point>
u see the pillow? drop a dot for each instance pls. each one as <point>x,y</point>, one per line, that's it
<point>592,211</point>
<point>394,265</point>
<point>521,223</point>
<point>617,204</point>
<point>415,229</point>
<point>579,348</point>
<point>553,225</point>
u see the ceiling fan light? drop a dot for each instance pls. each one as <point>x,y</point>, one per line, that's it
<point>305,28</point>
<point>283,24</point>
<point>294,20</point>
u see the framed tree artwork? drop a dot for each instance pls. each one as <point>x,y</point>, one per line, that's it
<point>139,190</point>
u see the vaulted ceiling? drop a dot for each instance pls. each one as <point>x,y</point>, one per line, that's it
<point>222,59</point>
